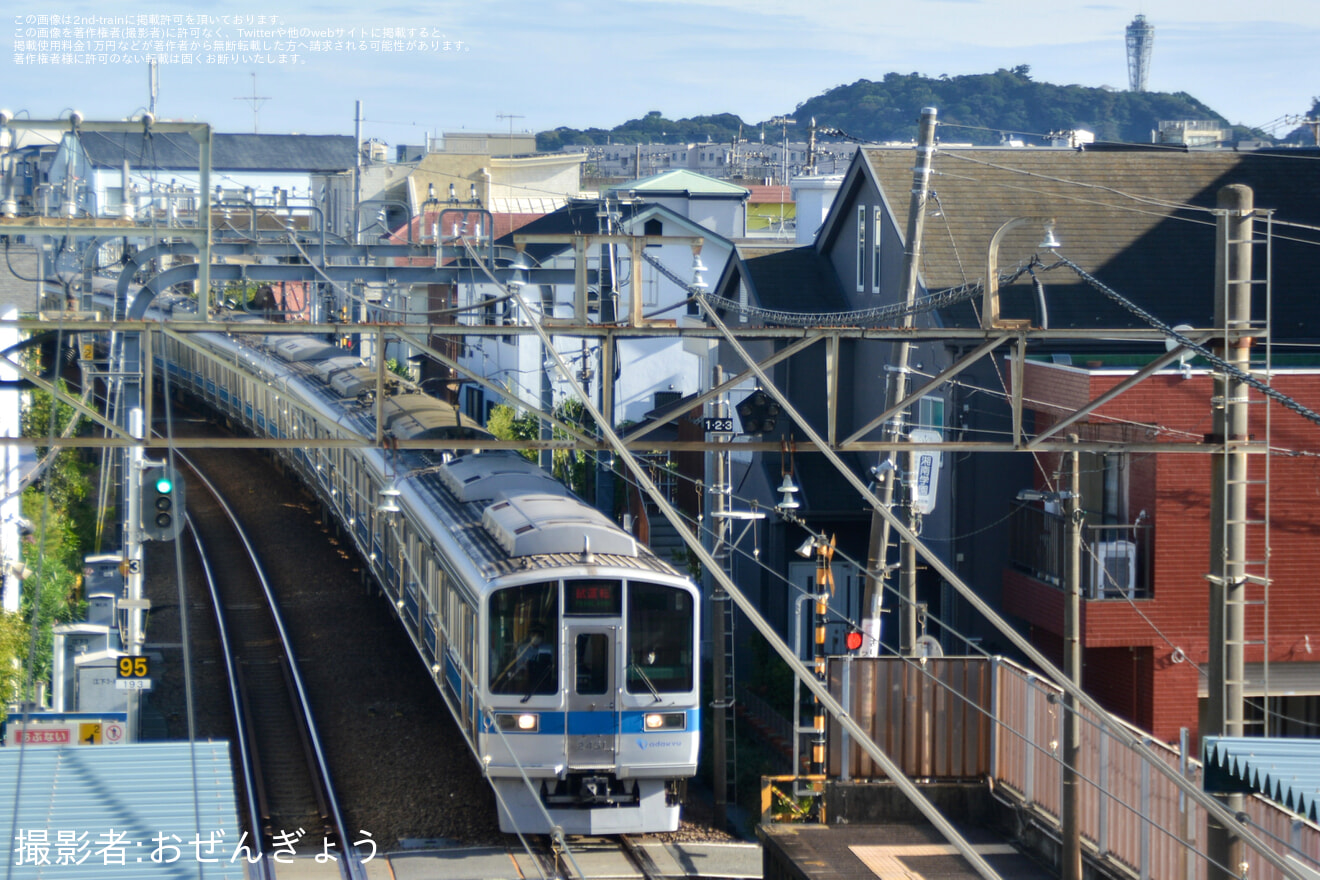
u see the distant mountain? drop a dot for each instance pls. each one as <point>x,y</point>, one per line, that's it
<point>975,108</point>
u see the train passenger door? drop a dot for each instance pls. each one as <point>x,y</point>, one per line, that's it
<point>593,717</point>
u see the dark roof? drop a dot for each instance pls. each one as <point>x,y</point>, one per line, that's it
<point>792,280</point>
<point>229,152</point>
<point>579,216</point>
<point>1138,221</point>
<point>575,217</point>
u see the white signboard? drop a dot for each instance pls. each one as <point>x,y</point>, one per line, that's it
<point>926,467</point>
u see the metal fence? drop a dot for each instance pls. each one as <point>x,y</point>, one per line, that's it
<point>947,718</point>
<point>1115,557</point>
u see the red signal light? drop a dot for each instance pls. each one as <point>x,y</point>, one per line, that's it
<point>853,640</point>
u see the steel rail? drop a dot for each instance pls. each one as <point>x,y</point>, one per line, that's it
<point>349,866</point>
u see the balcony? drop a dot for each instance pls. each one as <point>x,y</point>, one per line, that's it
<point>1115,557</point>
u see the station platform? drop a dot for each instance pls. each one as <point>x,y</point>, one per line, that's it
<point>667,861</point>
<point>904,850</point>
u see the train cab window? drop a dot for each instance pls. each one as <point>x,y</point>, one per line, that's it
<point>660,650</point>
<point>524,629</point>
<point>592,661</point>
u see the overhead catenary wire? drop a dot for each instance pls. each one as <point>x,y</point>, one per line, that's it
<point>1217,361</point>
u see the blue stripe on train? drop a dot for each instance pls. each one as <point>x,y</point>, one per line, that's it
<point>587,723</point>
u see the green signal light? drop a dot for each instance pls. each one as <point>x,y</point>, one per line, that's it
<point>164,486</point>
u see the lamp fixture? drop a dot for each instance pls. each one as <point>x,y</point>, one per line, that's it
<point>807,548</point>
<point>1049,242</point>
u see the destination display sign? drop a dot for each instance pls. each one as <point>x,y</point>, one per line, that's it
<point>595,597</point>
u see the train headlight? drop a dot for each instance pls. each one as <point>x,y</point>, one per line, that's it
<point>665,721</point>
<point>525,722</point>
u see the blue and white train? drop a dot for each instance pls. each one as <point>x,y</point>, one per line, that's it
<point>567,652</point>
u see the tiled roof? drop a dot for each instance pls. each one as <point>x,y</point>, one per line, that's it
<point>770,194</point>
<point>229,152</point>
<point>1138,220</point>
<point>682,181</point>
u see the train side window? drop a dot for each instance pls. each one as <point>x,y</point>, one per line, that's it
<point>660,652</point>
<point>524,628</point>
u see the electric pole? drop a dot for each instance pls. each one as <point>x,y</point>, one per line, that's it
<point>1226,669</point>
<point>878,555</point>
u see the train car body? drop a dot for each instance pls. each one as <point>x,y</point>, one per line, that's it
<point>567,652</point>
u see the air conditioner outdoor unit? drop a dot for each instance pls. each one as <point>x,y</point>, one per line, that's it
<point>1113,569</point>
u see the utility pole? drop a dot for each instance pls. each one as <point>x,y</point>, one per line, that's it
<point>718,600</point>
<point>357,172</point>
<point>878,555</point>
<point>153,84</point>
<point>1228,504</point>
<point>783,122</point>
<point>1072,668</point>
<point>133,603</point>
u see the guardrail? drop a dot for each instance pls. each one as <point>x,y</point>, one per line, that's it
<point>988,718</point>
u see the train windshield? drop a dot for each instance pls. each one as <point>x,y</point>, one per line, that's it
<point>524,639</point>
<point>660,651</point>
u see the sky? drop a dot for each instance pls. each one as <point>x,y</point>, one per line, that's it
<point>493,65</point>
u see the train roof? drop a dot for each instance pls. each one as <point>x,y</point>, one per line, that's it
<point>296,349</point>
<point>533,524</point>
<point>417,416</point>
<point>485,477</point>
<point>509,516</point>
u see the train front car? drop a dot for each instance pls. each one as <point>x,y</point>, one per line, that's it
<point>591,672</point>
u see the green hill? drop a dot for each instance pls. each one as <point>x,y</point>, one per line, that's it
<point>975,108</point>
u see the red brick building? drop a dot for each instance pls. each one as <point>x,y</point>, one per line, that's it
<point>1145,606</point>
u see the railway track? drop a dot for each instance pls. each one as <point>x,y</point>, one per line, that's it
<point>289,796</point>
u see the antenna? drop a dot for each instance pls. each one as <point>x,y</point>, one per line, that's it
<point>256,101</point>
<point>510,117</point>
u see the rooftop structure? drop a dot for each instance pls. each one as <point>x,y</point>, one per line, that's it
<point>1140,40</point>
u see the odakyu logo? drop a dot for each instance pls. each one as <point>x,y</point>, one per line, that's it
<point>664,743</point>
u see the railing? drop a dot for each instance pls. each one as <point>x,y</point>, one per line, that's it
<point>1115,557</point>
<point>955,717</point>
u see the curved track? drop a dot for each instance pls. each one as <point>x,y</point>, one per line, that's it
<point>286,778</point>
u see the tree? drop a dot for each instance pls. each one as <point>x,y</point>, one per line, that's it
<point>63,521</point>
<point>13,646</point>
<point>506,424</point>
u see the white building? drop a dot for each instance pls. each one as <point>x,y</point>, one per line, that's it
<point>645,373</point>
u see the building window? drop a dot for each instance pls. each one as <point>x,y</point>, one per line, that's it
<point>930,414</point>
<point>472,403</point>
<point>861,248</point>
<point>876,220</point>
